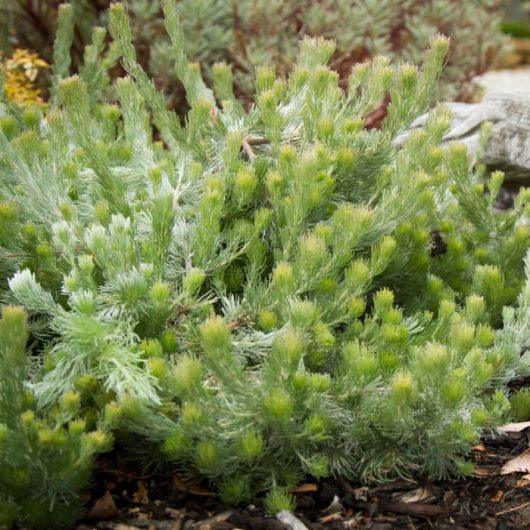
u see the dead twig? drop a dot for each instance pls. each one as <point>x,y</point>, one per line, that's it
<point>256,140</point>
<point>514,509</point>
<point>248,149</point>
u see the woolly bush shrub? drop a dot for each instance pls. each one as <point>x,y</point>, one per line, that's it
<point>259,296</point>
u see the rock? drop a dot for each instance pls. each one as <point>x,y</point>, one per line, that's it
<point>510,80</point>
<point>509,145</point>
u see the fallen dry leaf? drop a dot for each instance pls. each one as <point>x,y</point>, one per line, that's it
<point>482,472</point>
<point>335,507</point>
<point>480,448</point>
<point>449,496</point>
<point>417,495</point>
<point>141,496</point>
<point>523,482</point>
<point>520,464</point>
<point>213,522</point>
<point>498,496</point>
<point>305,488</point>
<point>179,515</point>
<point>104,508</point>
<point>331,517</point>
<point>182,485</point>
<point>514,427</point>
<point>361,494</point>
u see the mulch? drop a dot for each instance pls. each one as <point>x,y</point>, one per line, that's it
<point>488,500</point>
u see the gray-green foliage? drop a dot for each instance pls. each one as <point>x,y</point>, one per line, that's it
<point>266,294</point>
<point>45,459</point>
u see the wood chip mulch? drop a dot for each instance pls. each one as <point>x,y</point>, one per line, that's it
<point>488,500</point>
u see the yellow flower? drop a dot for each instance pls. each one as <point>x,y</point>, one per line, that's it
<point>21,70</point>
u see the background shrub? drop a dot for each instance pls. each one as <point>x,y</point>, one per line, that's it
<point>250,33</point>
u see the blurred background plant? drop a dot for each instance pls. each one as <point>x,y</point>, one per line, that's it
<point>517,9</point>
<point>517,22</point>
<point>247,33</point>
<point>21,70</point>
<point>517,19</point>
<point>516,25</point>
<point>31,24</point>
